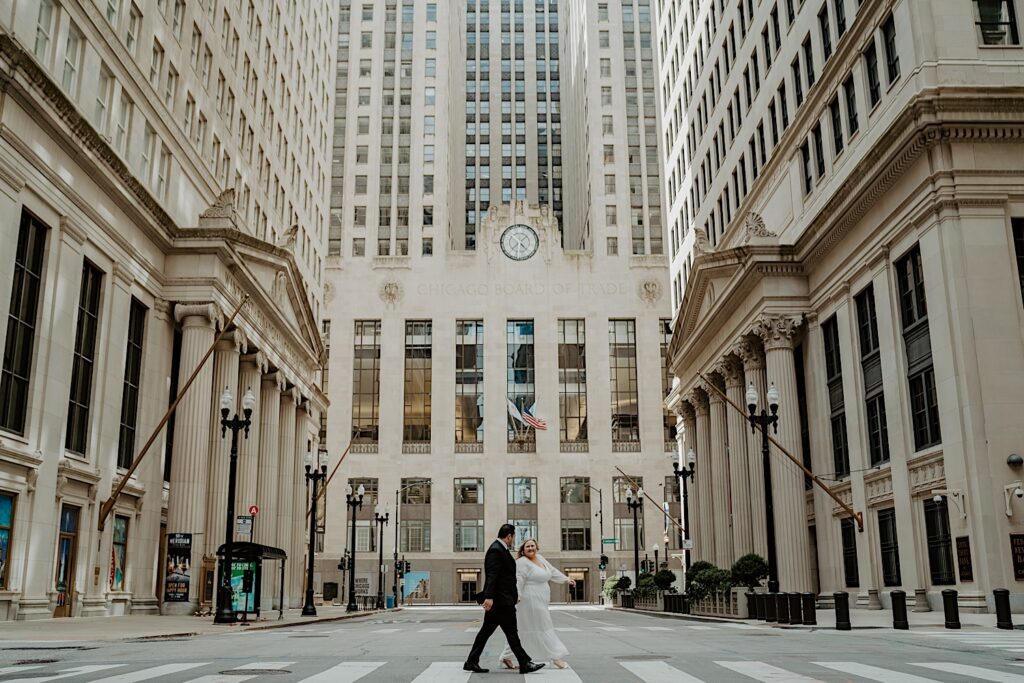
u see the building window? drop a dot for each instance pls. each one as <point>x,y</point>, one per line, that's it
<point>798,88</point>
<point>26,286</point>
<point>834,384</point>
<point>84,359</point>
<point>418,359</point>
<point>889,546</point>
<point>850,571</point>
<point>996,22</point>
<point>809,61</point>
<point>871,64</point>
<point>805,163</point>
<point>850,95</point>
<point>130,388</point>
<point>871,369</point>
<point>119,553</point>
<point>72,58</point>
<point>1018,248</point>
<point>917,345</point>
<point>669,418</point>
<point>469,381</point>
<point>469,491</point>
<point>837,126</point>
<point>940,543</point>
<point>366,536</point>
<point>892,57</point>
<point>572,380</point>
<point>574,490</point>
<point>469,535</point>
<point>624,532</point>
<point>576,534</point>
<point>625,423</point>
<point>521,379</point>
<point>522,490</point>
<point>44,29</point>
<point>826,34</point>
<point>415,536</point>
<point>366,382</point>
<point>819,150</point>
<point>6,527</point>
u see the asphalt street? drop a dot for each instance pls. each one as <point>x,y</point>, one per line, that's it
<point>428,646</point>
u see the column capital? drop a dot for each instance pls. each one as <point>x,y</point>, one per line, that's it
<point>698,398</point>
<point>777,331</point>
<point>259,359</point>
<point>208,310</point>
<point>684,409</point>
<point>714,398</point>
<point>277,379</point>
<point>731,371</point>
<point>748,353</point>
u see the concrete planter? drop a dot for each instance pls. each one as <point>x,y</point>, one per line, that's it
<point>731,605</point>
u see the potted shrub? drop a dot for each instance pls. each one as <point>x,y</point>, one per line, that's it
<point>664,580</point>
<point>750,570</point>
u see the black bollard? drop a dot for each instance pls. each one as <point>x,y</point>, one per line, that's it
<point>795,609</point>
<point>950,607</point>
<point>899,610</point>
<point>810,618</point>
<point>751,609</point>
<point>842,599</point>
<point>759,606</point>
<point>782,607</point>
<point>1003,619</point>
<point>770,614</point>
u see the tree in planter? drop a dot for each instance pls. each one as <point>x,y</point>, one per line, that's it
<point>664,580</point>
<point>695,570</point>
<point>624,583</point>
<point>645,587</point>
<point>611,586</point>
<point>707,581</point>
<point>750,570</point>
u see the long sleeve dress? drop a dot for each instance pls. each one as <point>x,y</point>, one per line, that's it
<point>536,631</point>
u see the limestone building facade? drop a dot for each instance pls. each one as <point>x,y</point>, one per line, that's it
<point>844,181</point>
<point>155,160</point>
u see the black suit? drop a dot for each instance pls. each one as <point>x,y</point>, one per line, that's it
<point>499,586</point>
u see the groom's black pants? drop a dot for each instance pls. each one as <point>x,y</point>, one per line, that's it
<point>504,617</point>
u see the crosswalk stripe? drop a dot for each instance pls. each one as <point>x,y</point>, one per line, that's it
<point>431,630</point>
<point>766,672</point>
<point>443,672</point>
<point>472,629</point>
<point>656,628</point>
<point>150,673</point>
<point>17,669</point>
<point>236,678</point>
<point>346,672</point>
<point>694,627</point>
<point>658,672</point>
<point>567,629</point>
<point>611,628</point>
<point>68,673</point>
<point>744,627</point>
<point>974,672</point>
<point>874,673</point>
<point>551,672</point>
<point>386,630</point>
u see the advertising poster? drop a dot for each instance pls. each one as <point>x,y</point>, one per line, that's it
<point>242,600</point>
<point>416,585</point>
<point>179,567</point>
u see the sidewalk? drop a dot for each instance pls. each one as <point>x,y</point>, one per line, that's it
<point>859,618</point>
<point>140,627</point>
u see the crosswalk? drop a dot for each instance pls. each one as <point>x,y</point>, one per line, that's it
<point>1007,641</point>
<point>593,627</point>
<point>645,671</point>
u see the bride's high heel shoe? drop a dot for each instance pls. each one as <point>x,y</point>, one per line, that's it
<point>559,664</point>
<point>507,663</point>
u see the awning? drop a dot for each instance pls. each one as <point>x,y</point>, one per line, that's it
<point>244,550</point>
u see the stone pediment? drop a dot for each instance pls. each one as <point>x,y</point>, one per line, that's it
<point>709,280</point>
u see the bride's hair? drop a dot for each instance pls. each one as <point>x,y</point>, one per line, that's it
<point>519,553</point>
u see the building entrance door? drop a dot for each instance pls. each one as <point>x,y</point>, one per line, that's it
<point>67,546</point>
<point>578,593</point>
<point>469,580</point>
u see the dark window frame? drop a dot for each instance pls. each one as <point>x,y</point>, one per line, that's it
<point>87,332</point>
<point>131,384</point>
<point>939,541</point>
<point>889,547</point>
<point>851,571</point>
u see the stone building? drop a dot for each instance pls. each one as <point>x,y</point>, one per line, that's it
<point>846,222</point>
<point>155,160</point>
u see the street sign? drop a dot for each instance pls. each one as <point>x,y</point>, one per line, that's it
<point>609,541</point>
<point>243,526</point>
<point>688,544</point>
<point>254,510</point>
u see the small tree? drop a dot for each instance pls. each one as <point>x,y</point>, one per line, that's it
<point>695,569</point>
<point>705,580</point>
<point>645,587</point>
<point>664,579</point>
<point>611,586</point>
<point>624,583</point>
<point>750,570</point>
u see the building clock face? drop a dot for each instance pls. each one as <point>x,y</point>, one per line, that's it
<point>519,242</point>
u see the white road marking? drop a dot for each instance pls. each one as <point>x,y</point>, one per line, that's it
<point>68,673</point>
<point>234,678</point>
<point>431,630</point>
<point>553,673</point>
<point>150,673</point>
<point>443,672</point>
<point>702,628</point>
<point>611,628</point>
<point>976,673</point>
<point>656,628</point>
<point>745,627</point>
<point>386,630</point>
<point>766,672</point>
<point>874,673</point>
<point>567,629</point>
<point>346,672</point>
<point>472,629</point>
<point>658,672</point>
<point>16,669</point>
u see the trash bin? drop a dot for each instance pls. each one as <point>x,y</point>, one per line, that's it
<point>389,601</point>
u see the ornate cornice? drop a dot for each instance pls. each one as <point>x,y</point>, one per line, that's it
<point>776,331</point>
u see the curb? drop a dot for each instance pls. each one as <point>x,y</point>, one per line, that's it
<point>322,620</point>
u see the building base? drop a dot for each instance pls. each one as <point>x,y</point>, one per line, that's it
<point>33,609</point>
<point>145,606</point>
<point>179,609</point>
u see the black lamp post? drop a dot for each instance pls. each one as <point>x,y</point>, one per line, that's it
<point>763,420</point>
<point>655,559</point>
<point>634,503</point>
<point>354,502</point>
<point>398,524</point>
<point>225,610</point>
<point>684,474</point>
<point>314,475</point>
<point>381,520</point>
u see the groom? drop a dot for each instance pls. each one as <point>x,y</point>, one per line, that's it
<point>499,599</point>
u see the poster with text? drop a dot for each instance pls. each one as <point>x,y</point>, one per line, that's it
<point>178,574</point>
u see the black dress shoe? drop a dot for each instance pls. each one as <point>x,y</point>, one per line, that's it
<point>477,669</point>
<point>530,667</point>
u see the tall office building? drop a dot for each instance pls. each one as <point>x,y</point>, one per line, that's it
<point>844,185</point>
<point>160,162</point>
<point>495,258</point>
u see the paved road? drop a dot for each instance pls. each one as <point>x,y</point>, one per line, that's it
<point>428,646</point>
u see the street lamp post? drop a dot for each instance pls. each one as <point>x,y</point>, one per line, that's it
<point>655,559</point>
<point>225,611</point>
<point>634,503</point>
<point>355,502</point>
<point>314,475</point>
<point>381,520</point>
<point>763,420</point>
<point>684,474</point>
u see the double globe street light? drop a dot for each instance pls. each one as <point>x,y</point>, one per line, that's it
<point>634,503</point>
<point>355,502</point>
<point>763,420</point>
<point>380,518</point>
<point>684,474</point>
<point>225,609</point>
<point>314,475</point>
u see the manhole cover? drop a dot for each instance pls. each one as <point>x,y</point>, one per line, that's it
<point>254,672</point>
<point>641,658</point>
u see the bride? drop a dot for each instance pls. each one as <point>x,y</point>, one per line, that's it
<point>537,633</point>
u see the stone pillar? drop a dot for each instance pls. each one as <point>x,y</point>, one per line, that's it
<point>299,534</point>
<point>753,373</point>
<point>265,524</point>
<point>186,507</point>
<point>704,515</point>
<point>225,376</point>
<point>792,539</point>
<point>739,459</point>
<point>693,498</point>
<point>250,373</point>
<point>286,480</point>
<point>719,479</point>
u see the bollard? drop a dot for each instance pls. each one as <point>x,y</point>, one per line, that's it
<point>899,610</point>
<point>782,608</point>
<point>759,606</point>
<point>770,614</point>
<point>751,609</point>
<point>795,608</point>
<point>810,617</point>
<point>1002,598</point>
<point>950,607</point>
<point>842,599</point>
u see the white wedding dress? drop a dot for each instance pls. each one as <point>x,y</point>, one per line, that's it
<point>536,631</point>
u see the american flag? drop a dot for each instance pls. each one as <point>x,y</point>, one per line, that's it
<point>530,419</point>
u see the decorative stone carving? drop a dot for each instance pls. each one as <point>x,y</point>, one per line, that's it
<point>288,238</point>
<point>162,309</point>
<point>927,474</point>
<point>755,227</point>
<point>731,371</point>
<point>223,206</point>
<point>749,355</point>
<point>209,310</point>
<point>259,359</point>
<point>31,478</point>
<point>777,331</point>
<point>328,292</point>
<point>241,341</point>
<point>391,293</point>
<point>279,290</point>
<point>879,490</point>
<point>650,291</point>
<point>701,242</point>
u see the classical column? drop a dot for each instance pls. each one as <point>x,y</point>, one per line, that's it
<point>299,535</point>
<point>739,469</point>
<point>706,483</point>
<point>286,477</point>
<point>225,376</point>
<point>265,524</point>
<point>719,478</point>
<point>794,547</point>
<point>753,373</point>
<point>186,507</point>
<point>250,375</point>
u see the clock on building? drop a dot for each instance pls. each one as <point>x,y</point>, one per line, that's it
<point>519,242</point>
